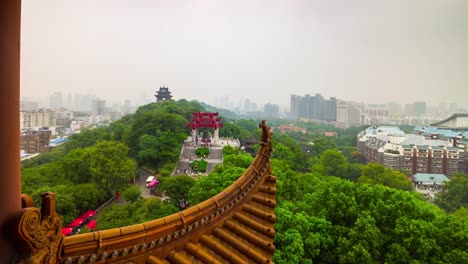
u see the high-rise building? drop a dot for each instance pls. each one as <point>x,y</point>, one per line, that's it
<point>295,105</point>
<point>377,110</point>
<point>28,105</point>
<point>419,108</point>
<point>98,107</point>
<point>36,118</point>
<point>329,109</point>
<point>354,115</point>
<point>342,114</point>
<point>56,100</point>
<point>394,108</point>
<point>271,111</point>
<point>305,109</point>
<point>316,107</point>
<point>347,115</point>
<point>127,107</point>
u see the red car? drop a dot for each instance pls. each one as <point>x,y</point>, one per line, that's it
<point>88,214</point>
<point>76,222</point>
<point>91,225</point>
<point>67,231</point>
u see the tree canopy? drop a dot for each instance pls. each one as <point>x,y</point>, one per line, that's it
<point>456,194</point>
<point>374,173</point>
<point>177,189</point>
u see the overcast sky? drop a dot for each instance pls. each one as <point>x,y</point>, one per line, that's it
<point>369,50</point>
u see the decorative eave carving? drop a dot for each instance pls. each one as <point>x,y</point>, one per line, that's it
<point>37,234</point>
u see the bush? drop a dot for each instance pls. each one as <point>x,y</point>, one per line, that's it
<point>132,194</point>
<point>201,152</point>
<point>199,165</point>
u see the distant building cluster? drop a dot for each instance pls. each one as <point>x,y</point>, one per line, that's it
<point>61,119</point>
<point>441,148</point>
<point>319,109</point>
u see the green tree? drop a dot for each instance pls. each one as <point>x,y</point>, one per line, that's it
<point>229,150</point>
<point>158,124</point>
<point>109,166</point>
<point>208,186</point>
<point>283,153</point>
<point>321,144</point>
<point>74,166</point>
<point>177,189</point>
<point>462,213</point>
<point>148,154</point>
<point>333,163</point>
<point>86,196</point>
<point>87,138</point>
<point>132,194</point>
<point>374,173</point>
<point>230,130</point>
<point>340,221</point>
<point>456,194</point>
<point>66,203</point>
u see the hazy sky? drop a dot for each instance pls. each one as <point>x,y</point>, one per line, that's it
<point>369,50</point>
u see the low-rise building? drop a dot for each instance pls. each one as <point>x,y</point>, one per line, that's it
<point>35,141</point>
<point>429,184</point>
<point>289,128</point>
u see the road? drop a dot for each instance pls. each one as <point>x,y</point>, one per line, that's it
<point>141,181</point>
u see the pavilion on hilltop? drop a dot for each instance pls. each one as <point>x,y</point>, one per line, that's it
<point>163,94</point>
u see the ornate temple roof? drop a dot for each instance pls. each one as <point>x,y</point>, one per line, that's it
<point>235,226</point>
<point>163,94</point>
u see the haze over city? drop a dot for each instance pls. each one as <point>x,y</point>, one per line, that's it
<point>367,51</point>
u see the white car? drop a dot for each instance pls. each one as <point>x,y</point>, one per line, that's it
<point>150,179</point>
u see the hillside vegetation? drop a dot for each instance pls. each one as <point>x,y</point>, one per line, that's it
<point>331,207</point>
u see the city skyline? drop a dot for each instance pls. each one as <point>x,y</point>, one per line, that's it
<point>365,51</point>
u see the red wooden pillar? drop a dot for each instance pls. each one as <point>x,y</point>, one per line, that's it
<point>10,179</point>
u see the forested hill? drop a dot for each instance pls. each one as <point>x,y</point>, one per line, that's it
<point>331,206</point>
<point>93,165</point>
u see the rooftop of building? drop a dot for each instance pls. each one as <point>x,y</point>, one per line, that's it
<point>457,121</point>
<point>58,140</point>
<point>430,177</point>
<point>441,132</point>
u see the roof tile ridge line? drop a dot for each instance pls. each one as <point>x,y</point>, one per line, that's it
<point>183,219</point>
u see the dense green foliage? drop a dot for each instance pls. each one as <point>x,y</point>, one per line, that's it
<point>329,220</point>
<point>208,186</point>
<point>177,189</point>
<point>375,173</point>
<point>456,195</point>
<point>82,179</point>
<point>199,165</point>
<point>132,194</point>
<point>202,152</point>
<point>137,212</point>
